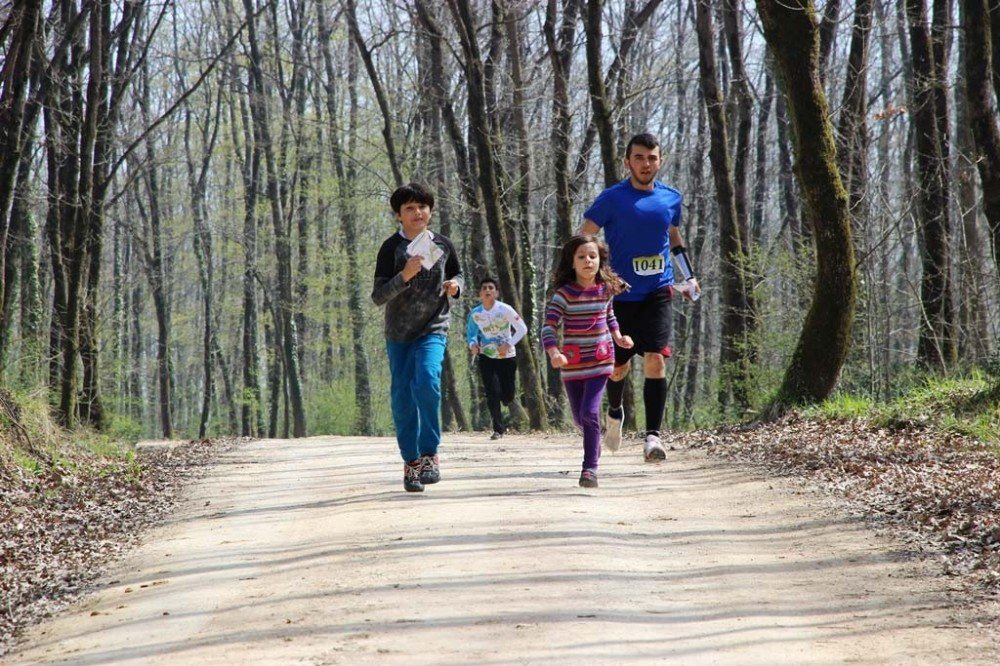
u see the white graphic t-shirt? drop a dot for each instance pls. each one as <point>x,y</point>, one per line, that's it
<point>490,329</point>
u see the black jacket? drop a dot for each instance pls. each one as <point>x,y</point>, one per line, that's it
<point>416,308</point>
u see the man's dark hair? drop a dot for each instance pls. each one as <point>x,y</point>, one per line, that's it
<point>646,140</point>
<point>488,280</point>
<point>408,194</point>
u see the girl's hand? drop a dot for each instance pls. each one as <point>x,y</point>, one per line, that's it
<point>625,342</point>
<point>450,287</point>
<point>558,359</point>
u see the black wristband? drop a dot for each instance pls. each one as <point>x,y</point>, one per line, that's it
<point>683,262</point>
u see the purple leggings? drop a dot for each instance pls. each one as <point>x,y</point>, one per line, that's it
<point>585,403</point>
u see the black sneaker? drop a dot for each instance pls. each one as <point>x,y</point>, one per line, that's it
<point>411,476</point>
<point>588,478</point>
<point>496,435</point>
<point>429,470</point>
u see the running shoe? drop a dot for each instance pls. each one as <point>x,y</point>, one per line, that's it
<point>496,435</point>
<point>588,478</point>
<point>652,448</point>
<point>613,431</point>
<point>411,476</point>
<point>430,472</point>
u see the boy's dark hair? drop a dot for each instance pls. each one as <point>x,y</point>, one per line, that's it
<point>646,140</point>
<point>488,280</point>
<point>409,193</point>
<point>565,274</point>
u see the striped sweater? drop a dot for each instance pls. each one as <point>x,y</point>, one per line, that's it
<point>587,321</point>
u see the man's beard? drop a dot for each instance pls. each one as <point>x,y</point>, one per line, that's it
<point>639,179</point>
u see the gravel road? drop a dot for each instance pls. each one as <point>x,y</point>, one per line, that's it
<point>309,552</point>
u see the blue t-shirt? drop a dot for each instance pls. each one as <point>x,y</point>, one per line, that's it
<point>636,227</point>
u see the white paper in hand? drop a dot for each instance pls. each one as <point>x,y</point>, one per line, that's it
<point>687,289</point>
<point>424,246</point>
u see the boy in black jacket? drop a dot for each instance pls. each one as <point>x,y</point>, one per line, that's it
<point>416,274</point>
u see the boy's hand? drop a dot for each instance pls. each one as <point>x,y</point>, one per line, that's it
<point>557,359</point>
<point>625,342</point>
<point>412,267</point>
<point>450,287</point>
<point>474,349</point>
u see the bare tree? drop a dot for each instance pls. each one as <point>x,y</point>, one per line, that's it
<point>346,189</point>
<point>285,322</point>
<point>489,184</point>
<point>980,70</point>
<point>936,346</point>
<point>734,286</point>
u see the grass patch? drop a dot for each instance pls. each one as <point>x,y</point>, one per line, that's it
<point>32,445</point>
<point>968,406</point>
<point>841,406</point>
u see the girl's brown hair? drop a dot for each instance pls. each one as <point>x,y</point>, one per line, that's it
<point>564,273</point>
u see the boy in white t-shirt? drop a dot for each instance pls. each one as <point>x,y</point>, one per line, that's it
<point>492,331</point>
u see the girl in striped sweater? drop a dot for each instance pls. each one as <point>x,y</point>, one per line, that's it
<point>584,285</point>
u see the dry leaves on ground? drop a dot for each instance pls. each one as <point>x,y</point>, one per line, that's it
<point>56,530</point>
<point>942,489</point>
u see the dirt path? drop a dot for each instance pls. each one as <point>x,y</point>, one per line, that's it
<point>309,552</point>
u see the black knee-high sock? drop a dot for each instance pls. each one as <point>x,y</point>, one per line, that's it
<point>654,396</point>
<point>615,392</point>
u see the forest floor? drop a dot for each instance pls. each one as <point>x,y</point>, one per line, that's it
<point>794,542</point>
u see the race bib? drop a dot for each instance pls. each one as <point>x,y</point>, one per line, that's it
<point>648,265</point>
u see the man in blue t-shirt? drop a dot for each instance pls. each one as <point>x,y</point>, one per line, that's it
<point>640,217</point>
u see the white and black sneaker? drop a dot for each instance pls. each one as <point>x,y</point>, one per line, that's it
<point>652,448</point>
<point>613,431</point>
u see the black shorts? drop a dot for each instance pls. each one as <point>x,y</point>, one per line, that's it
<point>647,322</point>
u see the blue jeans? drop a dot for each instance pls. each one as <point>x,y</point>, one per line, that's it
<point>416,394</point>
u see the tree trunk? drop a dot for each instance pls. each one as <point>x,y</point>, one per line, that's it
<point>346,171</point>
<point>731,10</point>
<point>23,22</point>
<point>488,181</point>
<point>852,137</point>
<point>974,341</point>
<point>827,34</point>
<point>699,216</point>
<point>980,69</point>
<point>734,289</point>
<point>560,51</point>
<point>760,171</point>
<point>380,97</point>
<point>791,216</point>
<point>285,330</point>
<point>522,186</point>
<point>155,264</point>
<point>935,347</point>
<point>598,92</point>
<point>81,119</point>
<point>251,401</point>
<point>792,36</point>
<point>197,175</point>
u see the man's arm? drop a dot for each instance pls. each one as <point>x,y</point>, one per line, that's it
<point>675,237</point>
<point>590,228</point>
<point>684,263</point>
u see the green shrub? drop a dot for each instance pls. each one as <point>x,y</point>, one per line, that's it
<point>842,406</point>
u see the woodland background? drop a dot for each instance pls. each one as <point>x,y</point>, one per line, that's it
<point>193,193</point>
